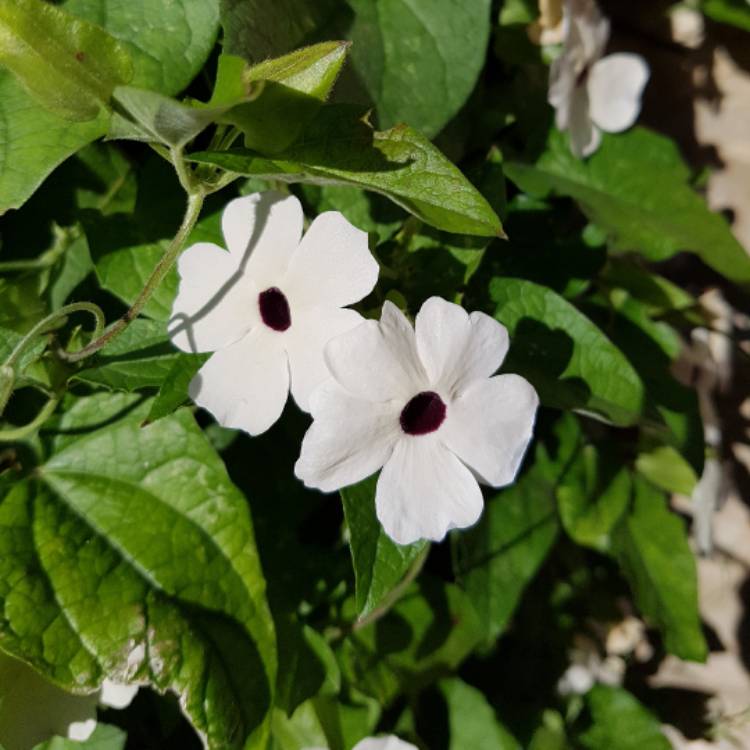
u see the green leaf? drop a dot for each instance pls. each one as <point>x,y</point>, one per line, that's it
<point>419,61</point>
<point>311,70</point>
<point>104,738</point>
<point>141,356</point>
<point>497,558</point>
<point>143,115</point>
<point>307,666</point>
<point>289,92</point>
<point>337,148</point>
<point>379,563</point>
<point>259,29</point>
<point>667,469</point>
<point>472,720</point>
<point>429,632</point>
<point>592,497</point>
<point>567,358</point>
<point>734,12</point>
<point>652,346</point>
<point>173,391</point>
<point>69,66</point>
<point>652,548</point>
<point>620,722</point>
<point>109,564</point>
<point>168,45</point>
<point>75,267</point>
<point>33,141</point>
<point>168,42</point>
<point>636,187</point>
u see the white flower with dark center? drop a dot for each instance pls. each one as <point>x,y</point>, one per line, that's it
<point>267,306</point>
<point>589,92</point>
<point>32,710</point>
<point>421,403</point>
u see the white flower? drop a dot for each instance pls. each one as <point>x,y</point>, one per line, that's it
<point>389,742</point>
<point>591,93</point>
<point>33,710</point>
<point>422,405</point>
<point>267,307</point>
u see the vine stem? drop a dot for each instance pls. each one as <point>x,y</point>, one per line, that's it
<point>19,433</point>
<point>194,205</point>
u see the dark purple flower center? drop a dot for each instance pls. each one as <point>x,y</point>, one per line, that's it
<point>274,309</point>
<point>424,413</point>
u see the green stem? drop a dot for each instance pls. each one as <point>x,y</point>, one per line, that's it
<point>63,239</point>
<point>194,205</point>
<point>19,433</point>
<point>52,321</point>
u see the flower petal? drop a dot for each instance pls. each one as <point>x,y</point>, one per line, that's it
<point>585,137</point>
<point>389,742</point>
<point>489,426</point>
<point>332,265</point>
<point>562,83</point>
<point>378,360</point>
<point>245,386</point>
<point>116,695</point>
<point>588,29</point>
<point>305,340</point>
<point>349,439</point>
<point>215,305</point>
<point>262,231</point>
<point>615,85</point>
<point>457,348</point>
<point>424,490</point>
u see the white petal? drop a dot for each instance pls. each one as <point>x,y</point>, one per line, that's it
<point>332,265</point>
<point>116,695</point>
<point>262,231</point>
<point>349,439</point>
<point>245,386</point>
<point>615,85</point>
<point>489,426</point>
<point>80,731</point>
<point>215,306</point>
<point>424,490</point>
<point>383,743</point>
<point>378,359</point>
<point>585,137</point>
<point>562,82</point>
<point>312,328</point>
<point>457,348</point>
<point>588,28</point>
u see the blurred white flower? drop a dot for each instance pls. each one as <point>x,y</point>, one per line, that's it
<point>389,742</point>
<point>32,710</point>
<point>589,92</point>
<point>267,306</point>
<point>687,26</point>
<point>423,406</point>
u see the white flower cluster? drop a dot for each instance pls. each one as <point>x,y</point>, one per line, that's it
<point>592,93</point>
<point>419,402</point>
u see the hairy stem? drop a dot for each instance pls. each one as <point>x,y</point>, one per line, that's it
<point>194,205</point>
<point>52,321</point>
